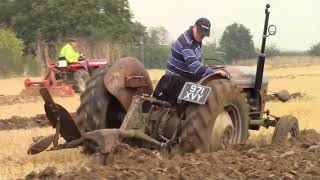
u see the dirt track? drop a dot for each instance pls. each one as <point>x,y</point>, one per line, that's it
<point>292,160</point>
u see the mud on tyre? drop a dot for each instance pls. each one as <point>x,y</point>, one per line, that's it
<point>198,130</point>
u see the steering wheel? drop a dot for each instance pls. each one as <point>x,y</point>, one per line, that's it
<point>216,66</point>
<point>221,66</point>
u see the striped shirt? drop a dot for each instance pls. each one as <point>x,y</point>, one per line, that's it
<point>185,58</point>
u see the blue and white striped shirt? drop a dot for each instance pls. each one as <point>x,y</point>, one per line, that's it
<point>185,58</point>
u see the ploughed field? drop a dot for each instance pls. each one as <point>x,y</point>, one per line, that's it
<point>22,118</point>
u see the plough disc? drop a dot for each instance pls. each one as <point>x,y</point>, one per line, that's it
<point>40,145</point>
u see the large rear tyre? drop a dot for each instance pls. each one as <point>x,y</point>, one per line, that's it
<point>80,78</point>
<point>98,108</point>
<point>222,121</point>
<point>286,128</point>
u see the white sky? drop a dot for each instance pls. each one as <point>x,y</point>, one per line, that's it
<point>297,21</point>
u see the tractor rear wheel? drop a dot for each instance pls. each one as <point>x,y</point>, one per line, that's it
<point>222,121</point>
<point>80,78</point>
<point>98,108</point>
<point>286,128</point>
<point>94,103</point>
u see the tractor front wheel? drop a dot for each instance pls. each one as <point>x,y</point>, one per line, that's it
<point>222,132</point>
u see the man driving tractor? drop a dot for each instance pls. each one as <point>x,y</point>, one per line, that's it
<point>185,62</point>
<point>185,54</point>
<point>68,52</point>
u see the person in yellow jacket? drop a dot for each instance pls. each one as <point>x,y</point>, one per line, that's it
<point>68,52</point>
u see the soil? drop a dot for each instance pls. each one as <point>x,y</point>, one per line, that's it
<point>295,159</point>
<point>17,99</point>
<point>17,122</point>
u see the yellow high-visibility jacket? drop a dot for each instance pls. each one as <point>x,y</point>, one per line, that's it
<point>69,53</point>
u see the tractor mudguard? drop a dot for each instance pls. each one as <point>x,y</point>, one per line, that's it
<point>210,77</point>
<point>126,78</point>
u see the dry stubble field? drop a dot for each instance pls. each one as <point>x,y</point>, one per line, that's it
<point>15,163</point>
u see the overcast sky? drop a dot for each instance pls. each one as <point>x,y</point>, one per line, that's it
<point>297,21</point>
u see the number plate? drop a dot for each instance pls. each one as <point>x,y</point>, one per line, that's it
<point>194,93</point>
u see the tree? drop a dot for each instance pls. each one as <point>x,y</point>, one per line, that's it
<point>9,43</point>
<point>20,18</point>
<point>157,35</point>
<point>51,20</point>
<point>156,47</point>
<point>156,55</point>
<point>315,50</point>
<point>236,42</point>
<point>209,52</point>
<point>153,50</point>
<point>272,50</point>
<point>11,59</point>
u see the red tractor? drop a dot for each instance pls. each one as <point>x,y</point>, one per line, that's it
<point>63,79</point>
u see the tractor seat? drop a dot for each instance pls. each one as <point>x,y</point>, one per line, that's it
<point>168,88</point>
<point>62,63</point>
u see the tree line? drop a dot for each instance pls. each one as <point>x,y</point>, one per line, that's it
<point>44,25</point>
<point>33,31</point>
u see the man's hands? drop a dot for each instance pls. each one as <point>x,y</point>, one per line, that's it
<point>220,72</point>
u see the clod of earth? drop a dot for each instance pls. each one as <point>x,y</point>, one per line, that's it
<point>284,97</point>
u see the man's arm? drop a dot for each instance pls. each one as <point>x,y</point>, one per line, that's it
<point>196,67</point>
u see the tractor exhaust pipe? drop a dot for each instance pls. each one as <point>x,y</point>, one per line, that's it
<point>261,57</point>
